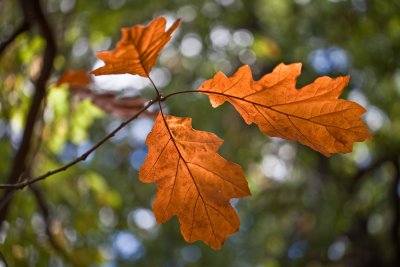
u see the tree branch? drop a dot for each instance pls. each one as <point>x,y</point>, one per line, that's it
<point>33,13</point>
<point>83,157</point>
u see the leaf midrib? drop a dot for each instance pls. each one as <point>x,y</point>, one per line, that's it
<point>194,182</point>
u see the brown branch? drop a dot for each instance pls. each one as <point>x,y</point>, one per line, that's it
<point>38,142</point>
<point>33,13</point>
<point>25,25</point>
<point>83,157</point>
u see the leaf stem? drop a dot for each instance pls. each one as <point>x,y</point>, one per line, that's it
<point>182,92</point>
<point>155,87</point>
<point>159,98</point>
<point>163,98</point>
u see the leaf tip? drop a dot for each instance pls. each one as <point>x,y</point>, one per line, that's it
<point>174,26</point>
<point>95,72</point>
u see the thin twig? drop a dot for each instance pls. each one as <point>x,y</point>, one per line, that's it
<point>80,158</point>
<point>185,92</point>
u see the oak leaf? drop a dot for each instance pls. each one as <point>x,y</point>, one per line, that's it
<point>123,107</point>
<point>312,115</point>
<point>193,181</point>
<point>138,49</point>
<point>79,83</point>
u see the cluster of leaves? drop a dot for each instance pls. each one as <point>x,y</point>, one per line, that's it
<point>194,182</point>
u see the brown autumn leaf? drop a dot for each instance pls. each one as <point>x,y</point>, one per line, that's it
<point>193,181</point>
<point>312,115</point>
<point>76,79</point>
<point>123,107</point>
<point>79,83</point>
<point>138,49</point>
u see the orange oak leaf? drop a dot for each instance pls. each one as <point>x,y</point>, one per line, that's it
<point>312,115</point>
<point>193,181</point>
<point>138,49</point>
<point>79,83</point>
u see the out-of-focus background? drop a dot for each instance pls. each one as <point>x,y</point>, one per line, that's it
<point>305,209</point>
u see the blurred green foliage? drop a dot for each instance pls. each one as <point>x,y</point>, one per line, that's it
<point>305,210</point>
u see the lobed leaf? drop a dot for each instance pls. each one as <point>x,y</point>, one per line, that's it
<point>312,115</point>
<point>138,49</point>
<point>193,181</point>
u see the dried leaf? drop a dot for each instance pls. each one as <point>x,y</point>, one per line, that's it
<point>124,107</point>
<point>193,181</point>
<point>138,49</point>
<point>79,83</point>
<point>76,79</point>
<point>312,115</point>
